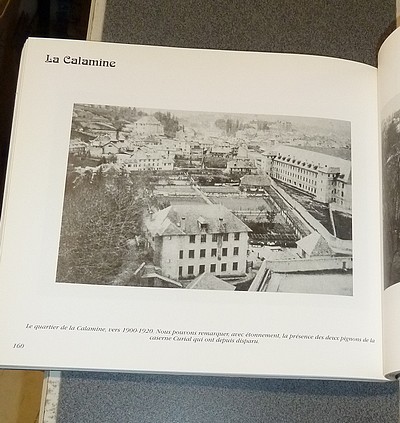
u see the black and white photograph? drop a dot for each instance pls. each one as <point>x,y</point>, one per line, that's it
<point>207,200</point>
<point>391,197</point>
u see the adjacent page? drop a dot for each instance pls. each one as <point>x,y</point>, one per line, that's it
<point>389,107</point>
<point>189,211</point>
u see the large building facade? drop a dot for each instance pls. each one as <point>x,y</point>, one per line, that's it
<point>326,178</point>
<point>191,240</point>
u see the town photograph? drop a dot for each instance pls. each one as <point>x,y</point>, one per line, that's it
<point>207,200</point>
<point>391,198</point>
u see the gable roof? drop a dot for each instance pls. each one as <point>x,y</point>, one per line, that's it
<point>321,161</point>
<point>209,281</point>
<point>314,245</point>
<point>187,219</point>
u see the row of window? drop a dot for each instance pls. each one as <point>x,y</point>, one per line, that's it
<point>213,252</point>
<point>214,237</point>
<point>297,168</point>
<point>338,192</point>
<point>212,269</point>
<point>297,184</point>
<point>299,177</point>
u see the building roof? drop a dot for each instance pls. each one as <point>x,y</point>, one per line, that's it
<point>314,245</point>
<point>149,271</point>
<point>318,161</point>
<point>255,180</point>
<point>209,281</point>
<point>187,219</point>
<point>241,163</point>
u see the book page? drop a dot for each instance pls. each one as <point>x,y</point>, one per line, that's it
<point>389,103</point>
<point>189,211</point>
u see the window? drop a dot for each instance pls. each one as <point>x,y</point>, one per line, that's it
<point>190,270</point>
<point>235,265</point>
<point>202,268</point>
<point>202,253</point>
<point>213,252</point>
<point>213,267</point>
<point>223,267</point>
<point>203,238</point>
<point>181,254</point>
<point>214,237</point>
<point>192,239</point>
<point>180,271</point>
<point>225,237</point>
<point>237,236</point>
<point>235,251</point>
<point>191,253</point>
<point>224,251</point>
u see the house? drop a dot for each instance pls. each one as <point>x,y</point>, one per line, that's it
<point>141,160</point>
<point>243,166</point>
<point>147,126</point>
<point>255,182</point>
<point>313,245</point>
<point>151,277</point>
<point>78,147</point>
<point>189,240</point>
<point>325,177</point>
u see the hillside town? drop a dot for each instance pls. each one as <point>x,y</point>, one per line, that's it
<point>201,200</point>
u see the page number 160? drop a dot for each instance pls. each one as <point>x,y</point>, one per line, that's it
<point>19,345</point>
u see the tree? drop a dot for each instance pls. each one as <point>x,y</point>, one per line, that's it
<point>102,213</point>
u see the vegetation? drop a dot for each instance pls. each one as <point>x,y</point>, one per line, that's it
<point>169,122</point>
<point>102,221</point>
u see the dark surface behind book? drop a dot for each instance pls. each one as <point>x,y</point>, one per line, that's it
<point>347,29</point>
<point>350,29</point>
<point>20,19</point>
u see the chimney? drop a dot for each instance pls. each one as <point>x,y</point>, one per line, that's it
<point>183,223</point>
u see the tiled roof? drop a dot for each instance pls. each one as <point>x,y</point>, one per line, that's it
<point>321,161</point>
<point>209,281</point>
<point>314,245</point>
<point>186,220</point>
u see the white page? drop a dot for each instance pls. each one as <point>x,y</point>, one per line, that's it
<point>196,81</point>
<point>389,104</point>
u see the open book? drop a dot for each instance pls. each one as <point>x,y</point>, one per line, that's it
<point>206,212</point>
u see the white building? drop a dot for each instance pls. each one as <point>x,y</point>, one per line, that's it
<point>326,178</point>
<point>147,126</point>
<point>143,160</point>
<point>190,240</point>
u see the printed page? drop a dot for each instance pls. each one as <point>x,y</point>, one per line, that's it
<point>188,211</point>
<point>389,103</point>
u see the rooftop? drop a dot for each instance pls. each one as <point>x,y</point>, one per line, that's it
<point>320,161</point>
<point>209,281</point>
<point>194,219</point>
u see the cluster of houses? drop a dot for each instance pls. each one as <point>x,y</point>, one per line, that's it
<point>142,146</point>
<point>206,246</point>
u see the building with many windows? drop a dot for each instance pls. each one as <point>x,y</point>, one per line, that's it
<point>147,126</point>
<point>145,160</point>
<point>324,177</point>
<point>189,240</point>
